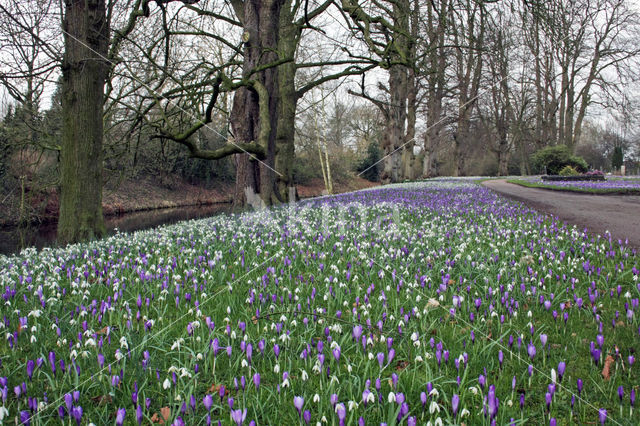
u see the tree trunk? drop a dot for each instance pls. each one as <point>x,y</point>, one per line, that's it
<point>394,137</point>
<point>84,71</point>
<point>287,103</point>
<point>260,19</point>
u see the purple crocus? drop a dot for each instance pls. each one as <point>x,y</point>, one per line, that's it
<point>579,383</point>
<point>561,368</point>
<point>120,415</point>
<point>276,350</point>
<point>602,415</point>
<point>455,403</point>
<point>52,362</point>
<point>76,413</point>
<point>256,380</point>
<point>139,416</point>
<point>30,367</point>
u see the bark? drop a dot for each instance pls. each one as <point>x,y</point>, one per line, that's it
<point>394,135</point>
<point>287,103</point>
<point>437,23</point>
<point>260,20</point>
<point>84,70</point>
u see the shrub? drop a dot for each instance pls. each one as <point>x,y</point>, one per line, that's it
<point>555,158</point>
<point>568,171</point>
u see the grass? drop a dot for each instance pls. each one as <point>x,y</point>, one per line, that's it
<point>381,305</point>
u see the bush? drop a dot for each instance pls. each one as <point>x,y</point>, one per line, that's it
<point>568,171</point>
<point>555,158</point>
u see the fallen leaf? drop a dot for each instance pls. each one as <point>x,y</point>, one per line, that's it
<point>166,413</point>
<point>216,388</point>
<point>606,371</point>
<point>103,330</point>
<point>401,365</point>
<point>102,399</point>
<point>254,320</point>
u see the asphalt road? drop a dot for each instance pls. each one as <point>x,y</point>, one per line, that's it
<point>618,214</point>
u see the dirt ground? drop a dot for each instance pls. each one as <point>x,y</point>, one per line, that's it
<point>618,214</point>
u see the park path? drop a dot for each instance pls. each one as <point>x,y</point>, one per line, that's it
<point>619,214</point>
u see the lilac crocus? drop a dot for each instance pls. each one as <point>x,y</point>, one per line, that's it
<point>256,380</point>
<point>239,416</point>
<point>341,411</point>
<point>380,357</point>
<point>579,384</point>
<point>298,402</point>
<point>207,401</point>
<point>120,415</point>
<point>531,350</point>
<point>336,353</point>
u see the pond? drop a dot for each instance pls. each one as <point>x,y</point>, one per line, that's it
<point>14,239</point>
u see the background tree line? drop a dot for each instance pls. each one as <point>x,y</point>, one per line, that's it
<point>282,91</point>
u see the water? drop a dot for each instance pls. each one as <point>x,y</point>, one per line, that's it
<point>13,239</point>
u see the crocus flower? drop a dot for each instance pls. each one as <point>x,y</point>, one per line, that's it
<point>139,414</point>
<point>256,380</point>
<point>30,367</point>
<point>298,402</point>
<point>561,368</point>
<point>76,413</point>
<point>207,401</point>
<point>531,350</point>
<point>341,411</point>
<point>602,415</point>
<point>336,353</point>
<point>239,416</point>
<point>120,415</point>
<point>579,382</point>
<point>455,403</point>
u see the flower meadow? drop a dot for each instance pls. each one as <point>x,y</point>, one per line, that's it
<point>424,303</point>
<point>629,184</point>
